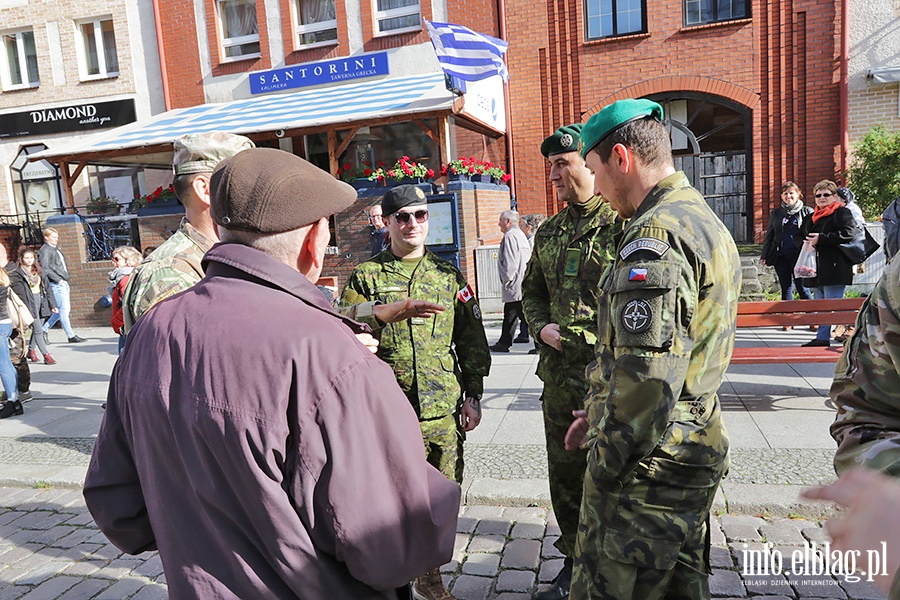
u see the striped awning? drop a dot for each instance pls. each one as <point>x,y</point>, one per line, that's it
<point>149,142</point>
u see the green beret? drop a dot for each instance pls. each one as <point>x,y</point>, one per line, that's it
<point>615,115</point>
<point>564,139</point>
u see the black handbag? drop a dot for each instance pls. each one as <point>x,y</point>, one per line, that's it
<point>861,247</point>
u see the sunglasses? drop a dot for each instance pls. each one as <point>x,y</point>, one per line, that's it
<point>403,218</point>
<point>824,195</point>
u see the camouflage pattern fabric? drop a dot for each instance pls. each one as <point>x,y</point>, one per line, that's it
<point>435,360</point>
<point>571,251</point>
<point>444,446</point>
<point>172,268</point>
<point>866,383</point>
<point>657,444</point>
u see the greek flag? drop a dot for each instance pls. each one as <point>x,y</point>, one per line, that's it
<point>466,55</point>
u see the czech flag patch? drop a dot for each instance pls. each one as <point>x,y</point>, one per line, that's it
<point>638,275</point>
<point>466,294</point>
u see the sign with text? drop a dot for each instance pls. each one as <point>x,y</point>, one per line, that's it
<point>483,101</point>
<point>316,73</point>
<point>65,119</point>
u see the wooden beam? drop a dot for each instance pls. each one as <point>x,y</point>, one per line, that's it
<point>428,131</point>
<point>67,185</point>
<point>332,152</point>
<point>443,126</point>
<point>346,142</point>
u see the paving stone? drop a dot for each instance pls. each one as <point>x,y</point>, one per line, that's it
<point>782,531</point>
<point>862,589</point>
<point>548,550</point>
<point>525,530</point>
<point>480,512</point>
<point>52,535</point>
<point>10,516</point>
<point>450,567</point>
<point>108,552</point>
<point>716,536</point>
<point>84,568</point>
<point>486,543</point>
<point>720,557</point>
<point>17,553</point>
<point>52,588</point>
<point>82,551</point>
<point>39,573</point>
<point>810,586</point>
<point>741,529</point>
<point>23,536</point>
<point>552,524</point>
<point>522,554</point>
<point>122,588</point>
<point>77,536</point>
<point>726,583</point>
<point>40,519</point>
<point>493,527</point>
<point>466,524</point>
<point>13,592</point>
<point>117,569</point>
<point>152,567</point>
<point>152,592</point>
<point>88,588</point>
<point>470,587</point>
<point>815,534</point>
<point>81,518</point>
<point>481,564</point>
<point>767,585</point>
<point>513,596</point>
<point>550,569</point>
<point>515,581</point>
<point>529,514</point>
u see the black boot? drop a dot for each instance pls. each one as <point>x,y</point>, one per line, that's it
<point>11,408</point>
<point>559,589</point>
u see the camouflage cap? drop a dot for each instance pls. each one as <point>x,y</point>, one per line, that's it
<point>400,197</point>
<point>201,152</point>
<point>565,139</point>
<point>265,190</point>
<point>613,116</point>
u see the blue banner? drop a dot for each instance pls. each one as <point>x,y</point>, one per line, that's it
<point>316,73</point>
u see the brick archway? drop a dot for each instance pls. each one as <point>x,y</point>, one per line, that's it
<point>706,85</point>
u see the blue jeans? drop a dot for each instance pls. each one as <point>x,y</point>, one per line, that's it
<point>61,294</point>
<point>7,370</point>
<point>828,292</point>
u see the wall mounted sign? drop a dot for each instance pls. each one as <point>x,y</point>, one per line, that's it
<point>316,73</point>
<point>65,119</point>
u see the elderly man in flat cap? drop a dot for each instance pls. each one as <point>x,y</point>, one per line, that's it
<point>175,265</point>
<point>559,297</point>
<point>440,364</point>
<point>657,444</point>
<point>266,458</point>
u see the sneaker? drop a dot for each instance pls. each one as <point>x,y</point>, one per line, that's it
<point>522,339</point>
<point>499,348</point>
<point>25,397</point>
<point>75,339</point>
<point>430,587</point>
<point>816,343</point>
<point>559,588</point>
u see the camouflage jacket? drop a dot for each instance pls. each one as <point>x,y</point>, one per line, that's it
<point>171,268</point>
<point>571,251</point>
<point>866,387</point>
<point>666,322</point>
<point>431,358</point>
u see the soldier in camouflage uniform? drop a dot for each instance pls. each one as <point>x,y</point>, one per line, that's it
<point>175,265</point>
<point>559,297</point>
<point>439,363</point>
<point>657,444</point>
<point>866,387</point>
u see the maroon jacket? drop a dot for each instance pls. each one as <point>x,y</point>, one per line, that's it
<point>264,450</point>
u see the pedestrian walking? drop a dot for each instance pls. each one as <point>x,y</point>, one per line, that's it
<point>657,444</point>
<point>53,263</point>
<point>515,251</point>
<point>559,297</point>
<point>27,276</point>
<point>125,259</point>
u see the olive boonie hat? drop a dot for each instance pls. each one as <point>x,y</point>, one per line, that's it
<point>565,139</point>
<point>201,152</point>
<point>401,196</point>
<point>615,115</point>
<point>265,190</point>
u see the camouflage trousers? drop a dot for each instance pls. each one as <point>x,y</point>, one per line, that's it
<point>565,469</point>
<point>444,446</point>
<point>648,538</point>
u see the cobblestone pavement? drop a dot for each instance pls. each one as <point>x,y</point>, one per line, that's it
<point>50,548</point>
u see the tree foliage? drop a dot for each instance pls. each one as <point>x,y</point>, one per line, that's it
<point>874,175</point>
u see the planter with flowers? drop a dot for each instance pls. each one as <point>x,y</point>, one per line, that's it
<point>358,176</point>
<point>498,174</point>
<point>102,205</point>
<point>162,201</point>
<point>463,168</point>
<point>404,171</point>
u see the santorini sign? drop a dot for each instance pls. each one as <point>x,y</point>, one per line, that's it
<point>316,73</point>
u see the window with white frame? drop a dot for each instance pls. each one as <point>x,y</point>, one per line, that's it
<point>97,51</point>
<point>609,18</point>
<point>20,67</point>
<point>700,12</point>
<point>316,23</point>
<point>240,31</point>
<point>397,16</point>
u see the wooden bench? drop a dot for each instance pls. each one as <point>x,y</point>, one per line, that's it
<point>794,313</point>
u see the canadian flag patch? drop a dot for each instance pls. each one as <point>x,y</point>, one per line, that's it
<point>466,294</point>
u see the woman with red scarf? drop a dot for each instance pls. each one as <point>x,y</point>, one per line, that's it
<point>832,224</point>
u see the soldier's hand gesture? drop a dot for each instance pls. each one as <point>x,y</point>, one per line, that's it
<point>550,336</point>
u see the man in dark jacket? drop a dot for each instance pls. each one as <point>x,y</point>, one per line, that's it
<point>54,266</point>
<point>294,460</point>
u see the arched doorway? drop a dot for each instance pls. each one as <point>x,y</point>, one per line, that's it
<point>711,143</point>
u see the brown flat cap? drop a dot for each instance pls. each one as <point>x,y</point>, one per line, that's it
<point>271,191</point>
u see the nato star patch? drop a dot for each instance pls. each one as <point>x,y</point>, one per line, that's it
<point>637,316</point>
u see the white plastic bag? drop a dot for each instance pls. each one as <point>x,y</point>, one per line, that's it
<point>806,262</point>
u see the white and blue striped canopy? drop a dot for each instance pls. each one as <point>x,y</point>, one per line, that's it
<point>360,102</point>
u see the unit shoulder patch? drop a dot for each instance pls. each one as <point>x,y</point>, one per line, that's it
<point>654,245</point>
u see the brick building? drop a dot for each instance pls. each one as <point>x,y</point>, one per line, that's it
<point>754,86</point>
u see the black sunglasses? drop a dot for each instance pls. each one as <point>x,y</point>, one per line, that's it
<point>403,218</point>
<point>824,195</point>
